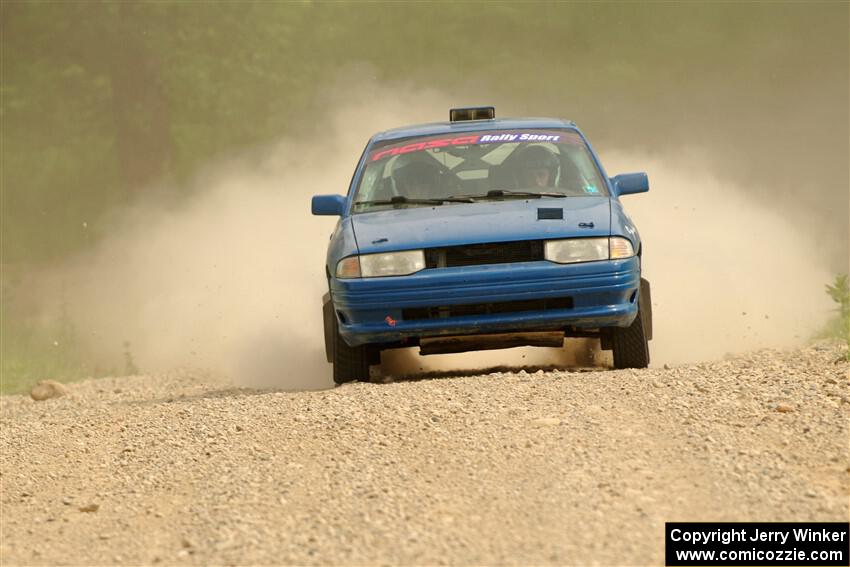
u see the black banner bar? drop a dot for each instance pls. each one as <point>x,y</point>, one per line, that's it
<point>757,543</point>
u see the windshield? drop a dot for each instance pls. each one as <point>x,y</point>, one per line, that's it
<point>477,166</point>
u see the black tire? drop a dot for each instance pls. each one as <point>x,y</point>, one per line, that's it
<point>630,345</point>
<point>328,317</point>
<point>350,363</point>
<point>646,306</point>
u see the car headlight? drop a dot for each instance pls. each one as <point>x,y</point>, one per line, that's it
<point>574,250</point>
<point>383,264</point>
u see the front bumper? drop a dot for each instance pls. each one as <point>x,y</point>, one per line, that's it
<point>602,294</point>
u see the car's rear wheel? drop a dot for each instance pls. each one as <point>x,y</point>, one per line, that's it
<point>349,363</point>
<point>630,344</point>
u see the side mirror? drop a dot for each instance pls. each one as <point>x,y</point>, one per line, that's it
<point>629,183</point>
<point>330,205</point>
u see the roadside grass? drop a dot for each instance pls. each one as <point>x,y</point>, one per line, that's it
<point>29,353</point>
<point>838,327</point>
<point>33,349</point>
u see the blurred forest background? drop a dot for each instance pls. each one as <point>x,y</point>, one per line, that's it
<point>102,100</point>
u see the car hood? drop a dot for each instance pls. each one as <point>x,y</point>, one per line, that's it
<point>488,221</point>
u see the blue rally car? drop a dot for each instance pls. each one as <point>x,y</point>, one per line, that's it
<point>480,233</point>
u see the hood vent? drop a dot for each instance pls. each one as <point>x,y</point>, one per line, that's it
<point>551,213</point>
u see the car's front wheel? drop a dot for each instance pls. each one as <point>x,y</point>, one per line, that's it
<point>349,363</point>
<point>630,344</point>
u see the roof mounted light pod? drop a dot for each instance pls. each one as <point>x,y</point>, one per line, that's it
<point>472,113</point>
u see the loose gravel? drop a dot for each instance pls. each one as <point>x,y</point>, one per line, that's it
<point>558,467</point>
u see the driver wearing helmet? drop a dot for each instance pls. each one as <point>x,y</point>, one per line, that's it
<point>537,168</point>
<point>416,179</point>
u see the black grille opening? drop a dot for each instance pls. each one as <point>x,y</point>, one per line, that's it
<point>414,313</point>
<point>479,254</point>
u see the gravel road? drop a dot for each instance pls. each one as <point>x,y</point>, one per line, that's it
<point>558,467</point>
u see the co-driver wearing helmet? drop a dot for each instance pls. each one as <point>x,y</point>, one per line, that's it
<point>537,168</point>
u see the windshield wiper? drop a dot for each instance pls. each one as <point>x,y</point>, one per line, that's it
<point>495,193</point>
<point>402,200</point>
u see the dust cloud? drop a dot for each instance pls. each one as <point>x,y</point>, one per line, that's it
<point>231,279</point>
<point>727,274</point>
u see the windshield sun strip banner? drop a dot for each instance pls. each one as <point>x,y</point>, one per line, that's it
<point>477,138</point>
